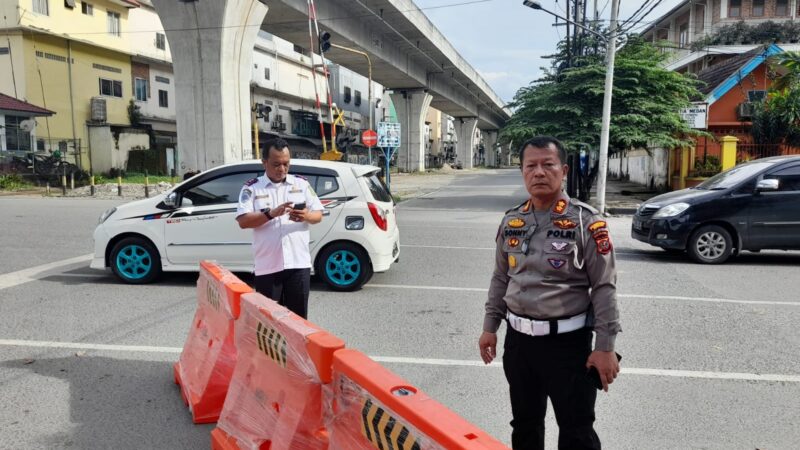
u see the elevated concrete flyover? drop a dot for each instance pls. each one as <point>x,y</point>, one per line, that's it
<point>212,44</point>
<point>409,56</point>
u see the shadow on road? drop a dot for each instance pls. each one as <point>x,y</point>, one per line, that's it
<point>114,403</point>
<point>743,259</point>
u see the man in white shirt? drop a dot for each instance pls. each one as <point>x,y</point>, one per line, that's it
<point>279,208</point>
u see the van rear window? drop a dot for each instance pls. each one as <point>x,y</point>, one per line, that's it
<point>379,190</point>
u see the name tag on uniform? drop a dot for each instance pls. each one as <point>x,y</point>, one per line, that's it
<point>296,191</point>
<point>262,196</point>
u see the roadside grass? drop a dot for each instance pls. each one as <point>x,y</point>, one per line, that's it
<point>133,178</point>
<point>14,182</point>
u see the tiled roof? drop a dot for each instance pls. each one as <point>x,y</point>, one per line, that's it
<point>716,74</point>
<point>9,103</point>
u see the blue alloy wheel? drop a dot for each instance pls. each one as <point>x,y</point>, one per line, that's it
<point>134,262</point>
<point>343,268</point>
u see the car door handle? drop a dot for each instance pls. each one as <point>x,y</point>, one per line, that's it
<point>325,212</point>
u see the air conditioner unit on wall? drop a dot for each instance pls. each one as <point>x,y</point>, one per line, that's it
<point>744,111</point>
<point>98,109</point>
<point>282,126</point>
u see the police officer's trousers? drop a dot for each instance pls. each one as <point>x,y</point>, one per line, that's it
<point>550,366</point>
<point>288,287</point>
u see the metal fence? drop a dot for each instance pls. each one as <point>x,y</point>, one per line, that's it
<point>746,152</point>
<point>51,159</point>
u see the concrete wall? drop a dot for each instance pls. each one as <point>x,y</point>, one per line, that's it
<point>144,24</point>
<point>638,166</point>
<point>12,76</point>
<point>108,152</point>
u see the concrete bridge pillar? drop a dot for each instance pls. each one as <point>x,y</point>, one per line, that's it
<point>465,147</point>
<point>212,56</point>
<point>490,142</point>
<point>411,107</point>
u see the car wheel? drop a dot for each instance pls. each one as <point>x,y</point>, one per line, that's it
<point>135,261</point>
<point>344,267</point>
<point>710,244</point>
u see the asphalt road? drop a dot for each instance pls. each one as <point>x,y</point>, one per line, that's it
<point>710,353</point>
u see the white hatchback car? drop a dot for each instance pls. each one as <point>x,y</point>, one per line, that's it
<point>174,231</point>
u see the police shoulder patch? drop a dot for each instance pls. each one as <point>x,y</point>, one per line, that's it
<point>245,195</point>
<point>251,181</point>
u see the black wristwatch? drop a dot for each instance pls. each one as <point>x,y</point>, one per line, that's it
<point>266,213</point>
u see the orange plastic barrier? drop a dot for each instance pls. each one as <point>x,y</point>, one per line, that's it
<point>276,399</point>
<point>374,408</point>
<point>206,364</point>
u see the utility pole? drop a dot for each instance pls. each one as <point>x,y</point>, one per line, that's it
<point>569,43</point>
<point>611,50</point>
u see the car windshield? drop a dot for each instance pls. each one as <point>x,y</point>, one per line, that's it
<point>732,177</point>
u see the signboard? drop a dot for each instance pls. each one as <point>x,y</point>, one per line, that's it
<point>369,138</point>
<point>388,134</point>
<point>696,116</point>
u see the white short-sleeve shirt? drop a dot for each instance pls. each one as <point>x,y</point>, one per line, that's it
<point>280,243</point>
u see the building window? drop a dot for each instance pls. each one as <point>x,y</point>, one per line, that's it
<point>735,8</point>
<point>781,7</point>
<point>756,96</point>
<point>41,7</point>
<point>87,8</point>
<point>113,23</point>
<point>348,95</point>
<point>163,98</point>
<point>16,137</point>
<point>357,100</point>
<point>4,50</point>
<point>140,89</point>
<point>161,41</point>
<point>110,88</point>
<point>758,8</point>
<point>266,73</point>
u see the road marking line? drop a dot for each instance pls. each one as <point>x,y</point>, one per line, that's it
<point>446,247</point>
<point>644,296</point>
<point>23,276</point>
<point>418,361</point>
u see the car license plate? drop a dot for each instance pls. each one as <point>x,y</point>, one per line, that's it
<point>637,224</point>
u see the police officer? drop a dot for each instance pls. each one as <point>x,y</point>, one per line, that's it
<point>554,282</point>
<point>279,208</point>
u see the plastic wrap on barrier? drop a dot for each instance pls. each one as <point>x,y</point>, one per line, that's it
<point>209,356</point>
<point>276,398</point>
<point>374,408</point>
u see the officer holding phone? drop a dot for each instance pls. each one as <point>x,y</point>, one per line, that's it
<point>279,207</point>
<point>554,283</point>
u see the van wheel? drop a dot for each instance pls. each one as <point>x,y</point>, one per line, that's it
<point>344,267</point>
<point>710,244</point>
<point>134,260</point>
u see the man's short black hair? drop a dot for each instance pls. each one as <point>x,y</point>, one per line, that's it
<point>543,142</point>
<point>276,143</point>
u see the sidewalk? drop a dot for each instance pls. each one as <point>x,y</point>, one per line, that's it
<point>622,197</point>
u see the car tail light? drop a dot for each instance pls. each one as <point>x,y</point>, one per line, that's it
<point>379,215</point>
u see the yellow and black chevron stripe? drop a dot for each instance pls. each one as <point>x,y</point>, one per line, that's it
<point>383,430</point>
<point>272,343</point>
<point>212,295</point>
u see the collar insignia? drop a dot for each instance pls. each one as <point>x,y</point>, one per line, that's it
<point>560,206</point>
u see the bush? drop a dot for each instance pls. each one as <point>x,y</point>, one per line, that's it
<point>13,182</point>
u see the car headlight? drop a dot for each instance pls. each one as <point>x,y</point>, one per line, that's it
<point>671,210</point>
<point>106,214</point>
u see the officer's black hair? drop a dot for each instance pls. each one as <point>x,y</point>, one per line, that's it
<point>276,143</point>
<point>543,142</point>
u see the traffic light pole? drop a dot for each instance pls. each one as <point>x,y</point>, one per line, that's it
<point>369,88</point>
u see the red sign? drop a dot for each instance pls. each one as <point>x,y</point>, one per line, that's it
<point>369,138</point>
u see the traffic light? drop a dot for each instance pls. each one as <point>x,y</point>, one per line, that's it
<point>324,42</point>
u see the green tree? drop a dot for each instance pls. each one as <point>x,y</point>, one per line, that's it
<point>567,103</point>
<point>776,120</point>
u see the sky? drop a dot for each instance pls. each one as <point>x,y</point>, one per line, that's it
<point>505,41</point>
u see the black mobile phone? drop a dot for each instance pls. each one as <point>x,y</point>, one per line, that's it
<point>299,206</point>
<point>594,375</point>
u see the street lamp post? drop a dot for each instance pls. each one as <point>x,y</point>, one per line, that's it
<point>611,50</point>
<point>369,88</point>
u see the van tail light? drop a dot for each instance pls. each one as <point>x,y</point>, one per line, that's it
<point>379,216</point>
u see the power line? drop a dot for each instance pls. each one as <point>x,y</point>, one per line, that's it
<point>641,7</point>
<point>657,2</point>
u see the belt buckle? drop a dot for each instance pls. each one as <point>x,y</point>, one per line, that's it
<point>541,328</point>
<point>525,326</point>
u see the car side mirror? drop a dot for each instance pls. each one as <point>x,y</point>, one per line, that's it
<point>766,185</point>
<point>171,200</point>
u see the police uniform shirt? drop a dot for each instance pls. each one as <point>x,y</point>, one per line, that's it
<point>280,243</point>
<point>555,268</point>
